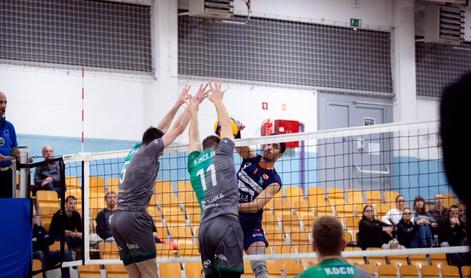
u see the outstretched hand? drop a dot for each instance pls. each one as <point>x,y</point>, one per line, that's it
<point>240,125</point>
<point>202,93</point>
<point>216,93</point>
<point>183,95</point>
<point>192,105</point>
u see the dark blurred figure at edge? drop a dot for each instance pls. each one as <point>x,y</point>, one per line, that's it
<point>455,131</point>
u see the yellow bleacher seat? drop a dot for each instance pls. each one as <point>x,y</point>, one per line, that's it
<point>173,215</point>
<point>450,199</point>
<point>181,234</point>
<point>408,271</point>
<point>188,250</point>
<point>317,201</point>
<point>108,250</point>
<point>430,271</point>
<point>173,270</point>
<point>292,268</point>
<point>37,267</point>
<point>388,271</point>
<point>165,250</point>
<point>116,271</point>
<point>466,271</point>
<point>373,196</point>
<point>48,198</point>
<point>418,259</point>
<point>335,195</point>
<point>194,270</point>
<point>370,268</point>
<point>274,268</point>
<point>295,191</point>
<point>354,196</point>
<point>438,259</point>
<point>396,260</point>
<point>113,185</point>
<point>97,185</point>
<point>449,271</point>
<point>89,271</point>
<point>347,236</point>
<point>248,272</point>
<point>72,182</point>
<point>390,197</point>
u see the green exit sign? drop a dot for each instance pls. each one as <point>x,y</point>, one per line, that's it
<point>355,22</point>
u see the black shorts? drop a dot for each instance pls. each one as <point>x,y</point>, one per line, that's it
<point>221,245</point>
<point>133,233</point>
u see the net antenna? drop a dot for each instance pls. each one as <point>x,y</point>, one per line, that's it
<point>220,10</point>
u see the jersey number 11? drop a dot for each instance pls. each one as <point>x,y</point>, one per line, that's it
<point>202,175</point>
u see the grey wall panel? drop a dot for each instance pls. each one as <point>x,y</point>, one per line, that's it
<point>91,33</point>
<point>438,65</point>
<point>277,51</point>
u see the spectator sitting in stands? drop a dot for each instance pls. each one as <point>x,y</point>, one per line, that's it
<point>394,215</point>
<point>423,220</point>
<point>41,241</point>
<point>439,212</point>
<point>452,231</point>
<point>103,217</point>
<point>47,176</point>
<point>372,232</point>
<point>406,228</point>
<point>68,223</point>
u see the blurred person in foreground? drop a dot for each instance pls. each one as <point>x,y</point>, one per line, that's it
<point>328,243</point>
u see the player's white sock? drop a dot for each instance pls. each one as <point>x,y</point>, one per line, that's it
<point>259,268</point>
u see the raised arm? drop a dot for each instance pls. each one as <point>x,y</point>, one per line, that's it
<point>223,116</point>
<point>181,123</point>
<point>194,131</point>
<point>264,197</point>
<point>164,124</point>
<point>244,151</point>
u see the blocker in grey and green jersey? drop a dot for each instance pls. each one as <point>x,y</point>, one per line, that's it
<point>334,268</point>
<point>131,226</point>
<point>214,181</point>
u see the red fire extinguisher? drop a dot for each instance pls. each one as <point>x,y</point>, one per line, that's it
<point>267,127</point>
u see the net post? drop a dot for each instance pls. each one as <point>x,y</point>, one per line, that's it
<point>86,210</point>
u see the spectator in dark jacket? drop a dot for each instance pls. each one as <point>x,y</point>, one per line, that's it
<point>439,212</point>
<point>452,231</point>
<point>372,232</point>
<point>41,242</point>
<point>69,223</point>
<point>47,176</point>
<point>406,228</point>
<point>103,217</point>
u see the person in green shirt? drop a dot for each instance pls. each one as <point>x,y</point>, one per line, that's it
<point>328,243</point>
<point>214,180</point>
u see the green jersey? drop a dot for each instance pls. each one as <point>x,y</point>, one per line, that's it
<point>127,160</point>
<point>198,163</point>
<point>337,268</point>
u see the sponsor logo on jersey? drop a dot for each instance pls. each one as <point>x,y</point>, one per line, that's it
<point>265,176</point>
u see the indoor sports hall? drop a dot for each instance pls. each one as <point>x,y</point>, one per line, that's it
<point>352,88</point>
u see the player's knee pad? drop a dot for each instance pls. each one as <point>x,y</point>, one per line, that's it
<point>259,268</point>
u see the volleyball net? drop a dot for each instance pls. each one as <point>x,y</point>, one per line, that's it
<point>332,172</point>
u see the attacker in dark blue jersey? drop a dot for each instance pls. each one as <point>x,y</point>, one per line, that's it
<point>258,183</point>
